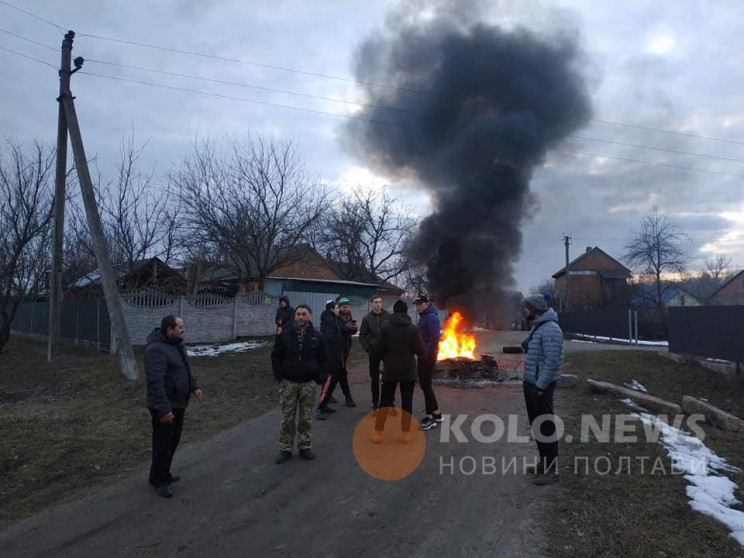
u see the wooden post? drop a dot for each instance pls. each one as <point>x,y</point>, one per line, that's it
<point>119,331</point>
<point>55,295</point>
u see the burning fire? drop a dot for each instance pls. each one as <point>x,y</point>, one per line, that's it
<point>454,341</point>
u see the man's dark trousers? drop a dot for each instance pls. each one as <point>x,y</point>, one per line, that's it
<point>374,374</point>
<point>165,438</point>
<point>425,374</point>
<point>538,405</point>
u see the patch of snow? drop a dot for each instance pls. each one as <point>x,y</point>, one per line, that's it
<point>718,360</point>
<point>630,403</point>
<point>703,399</point>
<point>582,341</point>
<point>636,385</point>
<point>623,340</point>
<point>711,494</point>
<point>215,350</point>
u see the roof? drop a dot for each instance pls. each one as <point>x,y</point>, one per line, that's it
<point>618,272</point>
<point>666,296</point>
<point>333,281</point>
<point>726,284</point>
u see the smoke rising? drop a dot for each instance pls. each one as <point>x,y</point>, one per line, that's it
<point>481,105</point>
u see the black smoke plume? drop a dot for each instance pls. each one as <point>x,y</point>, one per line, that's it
<point>481,105</point>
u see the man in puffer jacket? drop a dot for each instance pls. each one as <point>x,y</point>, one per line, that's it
<point>169,385</point>
<point>542,369</point>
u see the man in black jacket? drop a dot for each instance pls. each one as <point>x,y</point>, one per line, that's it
<point>399,344</point>
<point>169,385</point>
<point>298,361</point>
<point>368,334</point>
<point>333,328</point>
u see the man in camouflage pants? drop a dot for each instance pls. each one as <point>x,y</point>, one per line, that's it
<point>298,361</point>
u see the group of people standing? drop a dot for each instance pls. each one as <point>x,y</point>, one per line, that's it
<point>399,353</point>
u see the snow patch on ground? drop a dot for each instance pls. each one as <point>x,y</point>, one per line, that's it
<point>214,350</point>
<point>636,385</point>
<point>600,339</point>
<point>633,404</point>
<point>710,491</point>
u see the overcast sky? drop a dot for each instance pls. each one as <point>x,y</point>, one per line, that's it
<point>674,66</point>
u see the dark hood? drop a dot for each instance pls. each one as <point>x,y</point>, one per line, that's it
<point>399,320</point>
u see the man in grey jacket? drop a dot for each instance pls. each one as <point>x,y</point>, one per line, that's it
<point>169,385</point>
<point>542,369</point>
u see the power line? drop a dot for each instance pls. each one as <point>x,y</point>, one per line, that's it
<point>256,64</point>
<point>29,40</point>
<point>658,149</point>
<point>666,131</point>
<point>33,16</point>
<point>249,86</point>
<point>241,99</point>
<point>648,162</point>
<point>29,57</point>
<point>349,80</point>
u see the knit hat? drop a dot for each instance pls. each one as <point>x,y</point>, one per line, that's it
<point>343,301</point>
<point>538,302</point>
<point>330,305</point>
<point>400,307</point>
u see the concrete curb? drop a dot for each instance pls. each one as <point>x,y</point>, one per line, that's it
<point>649,401</point>
<point>715,416</point>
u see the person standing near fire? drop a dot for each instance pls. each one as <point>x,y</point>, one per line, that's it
<point>430,328</point>
<point>368,335</point>
<point>399,343</point>
<point>543,363</point>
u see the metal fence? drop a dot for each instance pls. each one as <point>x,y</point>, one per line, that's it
<point>708,331</point>
<point>605,322</point>
<point>83,321</point>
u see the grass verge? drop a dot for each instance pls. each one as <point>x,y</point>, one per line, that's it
<point>638,515</point>
<point>78,421</point>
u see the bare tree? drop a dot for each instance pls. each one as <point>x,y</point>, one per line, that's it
<point>367,233</point>
<point>658,250</point>
<point>140,219</point>
<point>26,211</point>
<point>717,266</point>
<point>253,203</point>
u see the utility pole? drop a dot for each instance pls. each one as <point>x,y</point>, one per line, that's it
<point>110,291</point>
<point>567,304</point>
<point>55,296</point>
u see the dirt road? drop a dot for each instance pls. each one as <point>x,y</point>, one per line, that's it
<point>234,501</point>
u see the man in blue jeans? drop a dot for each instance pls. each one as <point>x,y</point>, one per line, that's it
<point>542,369</point>
<point>430,329</point>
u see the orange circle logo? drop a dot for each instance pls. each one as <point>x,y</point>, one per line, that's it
<point>383,449</point>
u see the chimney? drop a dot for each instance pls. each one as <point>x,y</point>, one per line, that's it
<point>589,248</point>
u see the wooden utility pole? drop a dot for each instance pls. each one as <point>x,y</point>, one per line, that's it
<point>110,291</point>
<point>567,304</point>
<point>55,297</point>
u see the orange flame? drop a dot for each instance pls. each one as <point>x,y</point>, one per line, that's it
<point>454,341</point>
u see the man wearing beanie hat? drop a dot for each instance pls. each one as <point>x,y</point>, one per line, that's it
<point>398,343</point>
<point>542,369</point>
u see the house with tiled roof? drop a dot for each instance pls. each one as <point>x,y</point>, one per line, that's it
<point>595,279</point>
